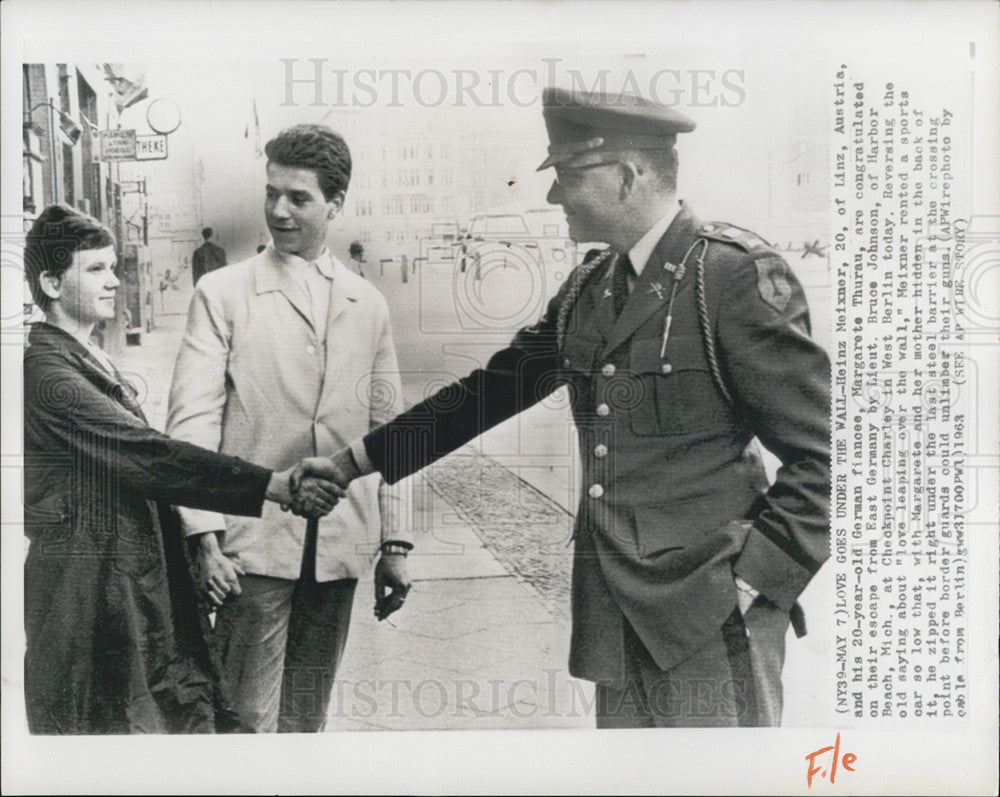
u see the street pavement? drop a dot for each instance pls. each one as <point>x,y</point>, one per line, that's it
<point>482,642</point>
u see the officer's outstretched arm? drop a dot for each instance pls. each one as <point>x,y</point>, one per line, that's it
<point>514,379</point>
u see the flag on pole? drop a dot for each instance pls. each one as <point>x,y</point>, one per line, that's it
<point>254,126</point>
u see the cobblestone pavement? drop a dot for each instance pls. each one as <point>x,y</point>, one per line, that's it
<point>526,532</point>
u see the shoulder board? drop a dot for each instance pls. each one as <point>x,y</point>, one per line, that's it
<point>730,234</point>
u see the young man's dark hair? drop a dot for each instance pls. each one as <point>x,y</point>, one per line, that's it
<point>207,233</point>
<point>314,147</point>
<point>59,232</point>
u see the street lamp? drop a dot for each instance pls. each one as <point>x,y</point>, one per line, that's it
<point>70,129</point>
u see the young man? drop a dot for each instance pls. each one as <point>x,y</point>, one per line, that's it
<point>207,257</point>
<point>286,355</point>
<point>680,343</point>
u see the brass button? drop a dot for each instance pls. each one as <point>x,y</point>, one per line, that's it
<point>566,362</point>
<point>603,410</point>
<point>601,451</point>
<point>595,491</point>
<point>666,368</point>
<point>310,349</point>
<point>608,370</point>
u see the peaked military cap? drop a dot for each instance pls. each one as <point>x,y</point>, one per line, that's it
<point>584,127</point>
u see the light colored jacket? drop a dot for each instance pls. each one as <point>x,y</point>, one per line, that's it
<point>252,380</point>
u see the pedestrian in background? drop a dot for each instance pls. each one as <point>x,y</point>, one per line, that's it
<point>207,257</point>
<point>357,252</point>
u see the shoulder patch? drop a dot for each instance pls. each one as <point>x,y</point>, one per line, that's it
<point>730,234</point>
<point>772,281</point>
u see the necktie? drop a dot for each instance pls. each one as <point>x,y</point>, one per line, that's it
<point>623,270</point>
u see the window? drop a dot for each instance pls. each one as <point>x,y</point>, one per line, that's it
<point>70,195</point>
<point>91,186</point>
<point>31,172</point>
<point>63,88</point>
<point>393,206</point>
<point>87,99</point>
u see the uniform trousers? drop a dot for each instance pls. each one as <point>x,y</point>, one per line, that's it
<point>280,642</point>
<point>732,681</point>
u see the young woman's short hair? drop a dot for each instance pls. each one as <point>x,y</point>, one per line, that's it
<point>59,232</point>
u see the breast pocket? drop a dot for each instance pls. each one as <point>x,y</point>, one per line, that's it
<point>579,354</point>
<point>680,396</point>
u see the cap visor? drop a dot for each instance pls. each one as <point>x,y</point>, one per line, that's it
<point>552,160</point>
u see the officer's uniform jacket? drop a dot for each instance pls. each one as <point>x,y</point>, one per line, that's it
<point>675,499</point>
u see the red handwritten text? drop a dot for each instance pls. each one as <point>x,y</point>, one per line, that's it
<point>834,759</point>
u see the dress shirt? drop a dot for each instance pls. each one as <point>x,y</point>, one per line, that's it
<point>641,252</point>
<point>314,277</point>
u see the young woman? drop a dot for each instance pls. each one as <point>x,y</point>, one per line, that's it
<point>115,635</point>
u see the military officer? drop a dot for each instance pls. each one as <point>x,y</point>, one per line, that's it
<point>682,343</point>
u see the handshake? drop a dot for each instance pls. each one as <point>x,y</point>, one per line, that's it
<point>314,487</point>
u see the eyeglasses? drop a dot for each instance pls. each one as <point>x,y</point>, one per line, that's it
<point>570,171</point>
